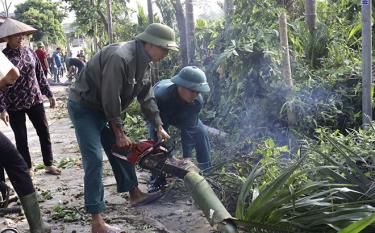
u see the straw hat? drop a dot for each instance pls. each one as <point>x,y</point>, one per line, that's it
<point>12,27</point>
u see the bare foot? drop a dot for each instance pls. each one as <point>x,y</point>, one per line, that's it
<point>99,226</point>
<point>104,228</point>
<point>53,170</point>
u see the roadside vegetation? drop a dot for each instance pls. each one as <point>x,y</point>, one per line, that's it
<point>313,174</point>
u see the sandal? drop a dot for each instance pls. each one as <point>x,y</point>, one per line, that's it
<point>112,230</point>
<point>53,170</point>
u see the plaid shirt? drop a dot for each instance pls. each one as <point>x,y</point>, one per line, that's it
<point>30,86</point>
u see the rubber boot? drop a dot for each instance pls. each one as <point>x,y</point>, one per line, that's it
<point>31,209</point>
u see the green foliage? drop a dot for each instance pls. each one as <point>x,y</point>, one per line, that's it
<point>91,20</point>
<point>46,16</point>
<point>248,95</point>
<point>46,195</point>
<point>142,17</point>
<point>68,162</point>
<point>271,159</point>
<point>167,11</point>
<point>358,226</point>
<point>66,214</point>
<point>328,188</point>
<point>134,123</point>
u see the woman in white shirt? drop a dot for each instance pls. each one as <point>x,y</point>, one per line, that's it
<point>15,165</point>
<point>8,72</point>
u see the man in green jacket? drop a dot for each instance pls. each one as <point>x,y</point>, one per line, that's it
<point>104,89</point>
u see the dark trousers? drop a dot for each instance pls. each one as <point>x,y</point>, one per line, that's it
<point>15,167</point>
<point>38,118</point>
<point>45,73</point>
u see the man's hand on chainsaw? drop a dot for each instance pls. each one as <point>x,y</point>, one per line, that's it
<point>162,134</point>
<point>122,141</point>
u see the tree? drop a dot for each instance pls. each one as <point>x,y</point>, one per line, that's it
<point>150,12</point>
<point>6,7</point>
<point>91,20</point>
<point>180,18</point>
<point>109,19</point>
<point>310,14</point>
<point>167,12</point>
<point>48,23</point>
<point>190,30</point>
<point>228,9</point>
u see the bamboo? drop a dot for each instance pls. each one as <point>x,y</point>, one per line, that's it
<point>287,73</point>
<point>208,202</point>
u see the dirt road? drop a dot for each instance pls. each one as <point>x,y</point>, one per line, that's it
<point>62,196</point>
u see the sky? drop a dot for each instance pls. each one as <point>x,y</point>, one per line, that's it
<point>207,7</point>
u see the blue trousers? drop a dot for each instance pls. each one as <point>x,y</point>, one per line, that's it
<point>93,134</point>
<point>192,137</point>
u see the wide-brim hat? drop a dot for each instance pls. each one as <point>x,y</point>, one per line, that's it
<point>160,35</point>
<point>12,27</point>
<point>193,78</point>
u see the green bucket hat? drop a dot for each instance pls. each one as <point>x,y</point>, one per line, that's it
<point>193,78</point>
<point>160,35</point>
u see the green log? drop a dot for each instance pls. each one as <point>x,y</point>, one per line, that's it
<point>207,201</point>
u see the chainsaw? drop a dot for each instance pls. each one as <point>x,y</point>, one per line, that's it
<point>153,156</point>
<point>150,155</point>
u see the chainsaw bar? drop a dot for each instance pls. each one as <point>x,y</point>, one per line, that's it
<point>157,163</point>
<point>152,160</point>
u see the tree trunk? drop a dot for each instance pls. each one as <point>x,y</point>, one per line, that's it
<point>109,20</point>
<point>101,15</point>
<point>6,7</point>
<point>94,29</point>
<point>155,65</point>
<point>182,29</point>
<point>150,12</point>
<point>286,66</point>
<point>366,64</point>
<point>228,9</point>
<point>190,31</point>
<point>310,14</point>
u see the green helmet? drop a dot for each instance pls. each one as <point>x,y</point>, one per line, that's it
<point>40,44</point>
<point>193,78</point>
<point>160,35</point>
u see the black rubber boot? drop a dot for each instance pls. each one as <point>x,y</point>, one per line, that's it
<point>31,209</point>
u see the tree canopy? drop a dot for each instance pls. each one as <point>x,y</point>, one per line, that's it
<point>91,20</point>
<point>46,16</point>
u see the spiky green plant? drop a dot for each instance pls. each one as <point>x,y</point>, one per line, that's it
<point>325,190</point>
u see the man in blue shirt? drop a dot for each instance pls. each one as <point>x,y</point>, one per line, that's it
<point>56,58</point>
<point>179,102</point>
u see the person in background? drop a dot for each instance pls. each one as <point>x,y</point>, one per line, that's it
<point>106,87</point>
<point>57,65</point>
<point>82,58</point>
<point>14,164</point>
<point>74,66</point>
<point>42,55</point>
<point>179,102</point>
<point>25,97</point>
